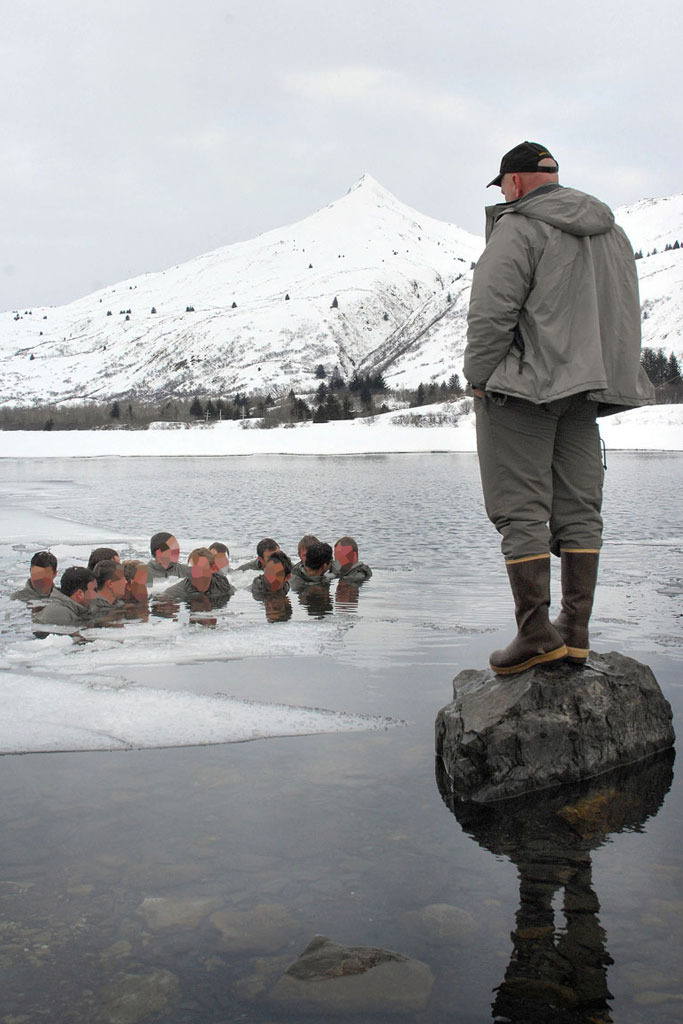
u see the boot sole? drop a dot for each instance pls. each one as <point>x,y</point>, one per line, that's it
<point>577,655</point>
<point>539,659</point>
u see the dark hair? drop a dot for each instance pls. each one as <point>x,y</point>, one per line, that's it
<point>221,549</point>
<point>348,542</point>
<point>284,560</point>
<point>106,569</point>
<point>75,578</point>
<point>158,542</point>
<point>267,544</point>
<point>318,555</point>
<point>45,560</point>
<point>99,555</point>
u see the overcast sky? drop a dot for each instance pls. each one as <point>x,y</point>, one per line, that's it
<point>140,133</point>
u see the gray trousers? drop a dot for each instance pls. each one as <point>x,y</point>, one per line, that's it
<point>541,473</point>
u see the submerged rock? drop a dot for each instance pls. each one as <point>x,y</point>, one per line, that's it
<point>502,737</point>
<point>441,922</point>
<point>135,997</point>
<point>330,978</point>
<point>162,912</point>
<point>266,928</point>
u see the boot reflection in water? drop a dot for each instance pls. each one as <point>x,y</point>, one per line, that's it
<point>557,974</point>
<point>552,975</point>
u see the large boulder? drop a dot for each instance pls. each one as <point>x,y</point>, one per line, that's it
<point>329,978</point>
<point>502,737</point>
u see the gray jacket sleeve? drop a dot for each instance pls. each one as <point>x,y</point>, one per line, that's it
<point>501,282</point>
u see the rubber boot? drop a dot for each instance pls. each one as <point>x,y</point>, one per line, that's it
<point>537,641</point>
<point>579,576</point>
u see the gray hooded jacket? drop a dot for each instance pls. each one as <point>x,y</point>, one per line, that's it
<point>61,610</point>
<point>554,309</point>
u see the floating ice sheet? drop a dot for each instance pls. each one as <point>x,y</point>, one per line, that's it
<point>166,642</point>
<point>45,714</point>
<point>19,524</point>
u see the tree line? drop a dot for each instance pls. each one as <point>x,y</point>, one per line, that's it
<point>333,399</point>
<point>665,373</point>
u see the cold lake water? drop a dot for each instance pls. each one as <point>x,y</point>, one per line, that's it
<point>177,884</point>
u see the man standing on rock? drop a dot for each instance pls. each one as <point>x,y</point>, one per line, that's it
<point>553,341</point>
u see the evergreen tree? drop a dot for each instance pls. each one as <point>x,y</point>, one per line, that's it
<point>320,371</point>
<point>196,408</point>
<point>454,385</point>
<point>115,411</point>
<point>366,396</point>
<point>300,411</point>
<point>334,409</point>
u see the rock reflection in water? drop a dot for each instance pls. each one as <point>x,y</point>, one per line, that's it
<point>559,975</point>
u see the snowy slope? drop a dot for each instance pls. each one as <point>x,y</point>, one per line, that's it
<point>653,224</point>
<point>380,259</point>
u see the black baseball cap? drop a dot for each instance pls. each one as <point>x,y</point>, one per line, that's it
<point>524,157</point>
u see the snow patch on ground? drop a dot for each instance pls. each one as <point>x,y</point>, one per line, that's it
<point>443,427</point>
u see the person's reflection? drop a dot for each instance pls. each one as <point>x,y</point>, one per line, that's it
<point>316,599</point>
<point>559,975</point>
<point>346,594</point>
<point>278,607</point>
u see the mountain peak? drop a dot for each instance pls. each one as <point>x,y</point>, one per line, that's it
<point>369,187</point>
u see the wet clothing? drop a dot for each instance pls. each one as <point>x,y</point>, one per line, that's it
<point>156,571</point>
<point>357,573</point>
<point>99,608</point>
<point>554,341</point>
<point>29,593</point>
<point>61,610</point>
<point>259,589</point>
<point>252,566</point>
<point>300,578</point>
<point>220,587</point>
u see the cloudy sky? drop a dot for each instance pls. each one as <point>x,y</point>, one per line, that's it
<point>140,133</point>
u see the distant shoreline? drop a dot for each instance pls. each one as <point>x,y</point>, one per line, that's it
<point>657,428</point>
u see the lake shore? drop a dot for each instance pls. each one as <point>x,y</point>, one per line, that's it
<point>654,428</point>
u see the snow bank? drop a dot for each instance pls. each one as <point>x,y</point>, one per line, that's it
<point>655,428</point>
<point>40,715</point>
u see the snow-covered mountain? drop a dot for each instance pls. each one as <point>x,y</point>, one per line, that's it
<point>365,284</point>
<point>655,224</point>
<point>362,273</point>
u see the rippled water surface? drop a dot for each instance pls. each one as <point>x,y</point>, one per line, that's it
<point>343,835</point>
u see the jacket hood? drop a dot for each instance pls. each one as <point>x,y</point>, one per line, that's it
<point>571,211</point>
